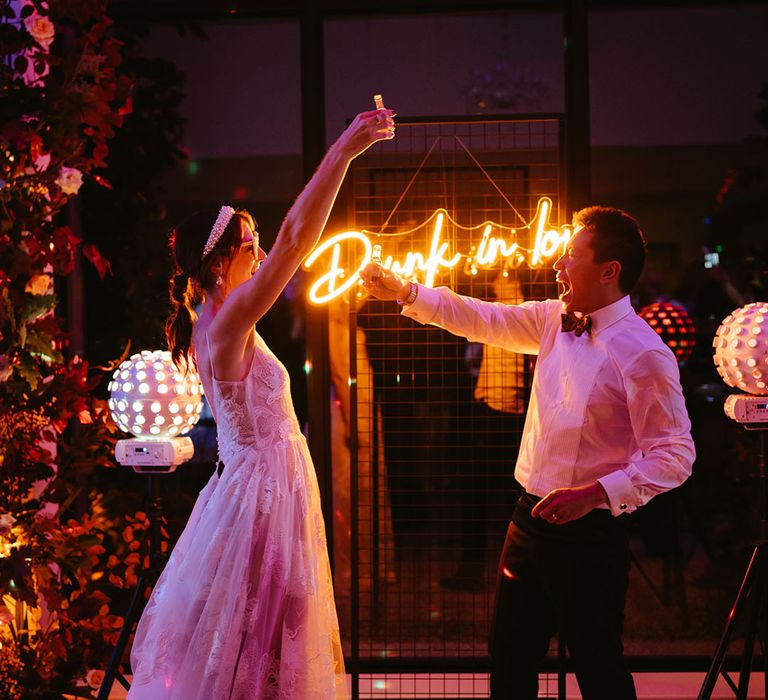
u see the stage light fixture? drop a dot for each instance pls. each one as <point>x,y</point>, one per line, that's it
<point>674,326</point>
<point>151,399</point>
<point>741,348</point>
<point>741,358</point>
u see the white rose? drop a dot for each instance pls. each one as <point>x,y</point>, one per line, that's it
<point>41,29</point>
<point>70,180</point>
<point>7,521</point>
<point>94,678</point>
<point>38,284</point>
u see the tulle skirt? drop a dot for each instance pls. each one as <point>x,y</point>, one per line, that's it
<point>244,609</point>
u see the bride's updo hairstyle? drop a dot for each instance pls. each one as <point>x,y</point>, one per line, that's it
<point>193,274</point>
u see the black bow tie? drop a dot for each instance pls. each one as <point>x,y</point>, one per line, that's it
<point>578,324</point>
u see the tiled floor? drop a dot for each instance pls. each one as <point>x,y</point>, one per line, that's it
<point>650,686</point>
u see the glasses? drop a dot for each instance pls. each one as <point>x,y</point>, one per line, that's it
<point>252,243</point>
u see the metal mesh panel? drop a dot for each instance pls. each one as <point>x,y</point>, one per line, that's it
<point>449,686</point>
<point>435,419</point>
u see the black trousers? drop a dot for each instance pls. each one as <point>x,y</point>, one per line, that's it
<point>571,579</point>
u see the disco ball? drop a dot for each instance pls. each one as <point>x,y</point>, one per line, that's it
<point>741,348</point>
<point>150,397</point>
<point>674,325</point>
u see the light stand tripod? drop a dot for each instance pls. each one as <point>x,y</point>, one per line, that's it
<point>752,598</point>
<point>146,580</point>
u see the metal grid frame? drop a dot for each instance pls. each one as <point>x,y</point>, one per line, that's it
<point>410,449</point>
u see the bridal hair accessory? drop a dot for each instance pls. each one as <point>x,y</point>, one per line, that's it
<point>225,214</point>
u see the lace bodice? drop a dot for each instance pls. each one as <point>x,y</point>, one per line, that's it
<point>256,411</point>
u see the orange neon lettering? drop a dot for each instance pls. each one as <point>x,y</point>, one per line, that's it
<point>327,281</point>
<point>549,242</point>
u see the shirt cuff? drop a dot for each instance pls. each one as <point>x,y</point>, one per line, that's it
<point>424,308</point>
<point>618,487</point>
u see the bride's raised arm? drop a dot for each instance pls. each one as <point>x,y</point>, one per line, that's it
<point>299,231</point>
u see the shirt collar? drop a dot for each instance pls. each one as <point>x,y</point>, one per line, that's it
<point>608,315</point>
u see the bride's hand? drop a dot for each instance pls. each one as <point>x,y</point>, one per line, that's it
<point>366,129</point>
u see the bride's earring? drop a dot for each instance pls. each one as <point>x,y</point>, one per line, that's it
<point>219,281</point>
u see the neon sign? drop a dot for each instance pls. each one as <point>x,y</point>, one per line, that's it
<point>492,250</point>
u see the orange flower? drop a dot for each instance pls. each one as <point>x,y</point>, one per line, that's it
<point>39,284</point>
<point>41,29</point>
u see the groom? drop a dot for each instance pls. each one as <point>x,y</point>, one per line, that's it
<point>606,430</point>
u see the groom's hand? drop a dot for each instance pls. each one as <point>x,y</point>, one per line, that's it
<point>384,284</point>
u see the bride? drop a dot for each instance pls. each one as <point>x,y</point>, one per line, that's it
<point>244,609</point>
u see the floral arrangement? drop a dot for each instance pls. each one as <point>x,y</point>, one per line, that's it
<point>64,559</point>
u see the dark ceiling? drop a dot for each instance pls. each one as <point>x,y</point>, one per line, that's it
<point>197,10</point>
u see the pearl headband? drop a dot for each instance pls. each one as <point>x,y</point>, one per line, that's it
<point>222,220</point>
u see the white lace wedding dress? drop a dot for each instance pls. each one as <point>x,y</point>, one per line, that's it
<point>244,609</point>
